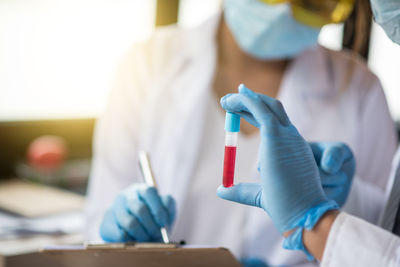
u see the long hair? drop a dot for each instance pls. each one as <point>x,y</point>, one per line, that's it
<point>357,28</point>
<point>356,36</point>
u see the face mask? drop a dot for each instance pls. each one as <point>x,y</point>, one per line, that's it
<point>268,31</point>
<point>387,14</point>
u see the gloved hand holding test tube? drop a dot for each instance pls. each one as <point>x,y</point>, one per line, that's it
<point>288,167</point>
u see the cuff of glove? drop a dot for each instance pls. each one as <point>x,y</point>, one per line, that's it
<point>308,221</point>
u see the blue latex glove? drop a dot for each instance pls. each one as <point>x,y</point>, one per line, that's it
<point>387,14</point>
<point>253,262</point>
<point>290,190</point>
<point>137,214</point>
<point>336,166</point>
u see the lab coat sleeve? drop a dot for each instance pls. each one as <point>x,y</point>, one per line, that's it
<point>365,200</point>
<point>114,163</point>
<point>355,242</point>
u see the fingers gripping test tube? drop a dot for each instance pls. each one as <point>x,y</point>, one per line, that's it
<point>232,127</point>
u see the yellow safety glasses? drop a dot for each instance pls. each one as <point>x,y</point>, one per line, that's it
<point>317,13</point>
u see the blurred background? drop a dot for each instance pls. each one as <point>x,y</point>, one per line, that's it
<point>57,60</point>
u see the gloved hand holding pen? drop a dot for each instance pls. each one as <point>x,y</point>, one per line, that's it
<point>137,214</point>
<point>290,190</point>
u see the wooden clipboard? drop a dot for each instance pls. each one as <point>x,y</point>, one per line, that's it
<point>124,257</point>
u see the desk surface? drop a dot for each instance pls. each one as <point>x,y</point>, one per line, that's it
<point>35,243</point>
<point>176,257</point>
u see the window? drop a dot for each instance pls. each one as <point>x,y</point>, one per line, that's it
<point>57,57</point>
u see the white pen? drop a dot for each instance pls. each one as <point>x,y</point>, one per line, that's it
<point>148,176</point>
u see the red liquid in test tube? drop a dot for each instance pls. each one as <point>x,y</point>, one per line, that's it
<point>229,166</point>
<point>232,127</point>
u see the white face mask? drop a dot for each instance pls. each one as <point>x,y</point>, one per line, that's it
<point>387,14</point>
<point>266,31</point>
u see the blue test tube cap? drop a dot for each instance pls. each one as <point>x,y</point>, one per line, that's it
<point>232,122</point>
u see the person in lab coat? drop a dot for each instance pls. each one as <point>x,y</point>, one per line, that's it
<point>165,101</point>
<point>336,238</point>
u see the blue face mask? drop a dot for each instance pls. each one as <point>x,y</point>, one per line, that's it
<point>268,31</point>
<point>387,14</point>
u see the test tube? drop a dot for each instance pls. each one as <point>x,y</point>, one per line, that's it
<point>232,127</point>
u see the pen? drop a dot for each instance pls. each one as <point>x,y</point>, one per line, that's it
<point>148,176</point>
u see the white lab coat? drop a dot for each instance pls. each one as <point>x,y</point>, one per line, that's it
<point>157,105</point>
<point>355,242</point>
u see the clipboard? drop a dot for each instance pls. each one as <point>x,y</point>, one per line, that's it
<point>123,255</point>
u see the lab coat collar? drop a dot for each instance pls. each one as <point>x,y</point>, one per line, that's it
<point>304,98</point>
<point>319,84</point>
<point>191,107</point>
<point>202,36</point>
<point>183,127</point>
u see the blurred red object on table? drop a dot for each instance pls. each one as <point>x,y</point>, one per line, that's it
<point>47,152</point>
